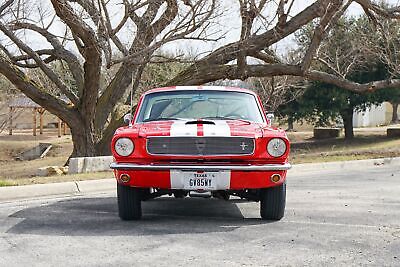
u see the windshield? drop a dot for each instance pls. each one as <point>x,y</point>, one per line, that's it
<point>175,105</point>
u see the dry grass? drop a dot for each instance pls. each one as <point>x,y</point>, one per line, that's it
<point>371,143</point>
<point>14,172</point>
<point>365,145</point>
<point>11,146</point>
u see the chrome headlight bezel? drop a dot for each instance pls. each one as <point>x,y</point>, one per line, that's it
<point>124,146</point>
<point>276,147</point>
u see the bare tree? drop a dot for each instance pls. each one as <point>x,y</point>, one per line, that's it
<point>91,40</point>
<point>86,37</point>
<point>277,91</point>
<point>217,65</point>
<point>384,42</point>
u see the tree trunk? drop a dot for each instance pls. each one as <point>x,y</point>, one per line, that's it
<point>103,147</point>
<point>290,124</point>
<point>347,116</point>
<point>395,117</point>
<point>83,140</point>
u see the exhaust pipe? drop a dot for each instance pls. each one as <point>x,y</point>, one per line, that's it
<point>204,194</point>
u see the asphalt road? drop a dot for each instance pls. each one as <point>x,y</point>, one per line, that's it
<point>337,218</point>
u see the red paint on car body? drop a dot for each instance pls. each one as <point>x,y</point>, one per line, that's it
<point>261,132</point>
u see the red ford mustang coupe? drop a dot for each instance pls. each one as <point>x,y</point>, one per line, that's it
<point>203,141</point>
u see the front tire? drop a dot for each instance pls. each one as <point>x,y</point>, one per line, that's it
<point>273,202</point>
<point>129,202</point>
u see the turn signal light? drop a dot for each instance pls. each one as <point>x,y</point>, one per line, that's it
<point>275,178</point>
<point>125,178</point>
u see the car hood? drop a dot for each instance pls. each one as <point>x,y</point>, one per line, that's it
<point>204,128</point>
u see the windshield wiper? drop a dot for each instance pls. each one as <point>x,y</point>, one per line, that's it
<point>161,119</point>
<point>225,118</point>
<point>218,118</point>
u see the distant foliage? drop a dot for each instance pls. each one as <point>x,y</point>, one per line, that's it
<point>344,54</point>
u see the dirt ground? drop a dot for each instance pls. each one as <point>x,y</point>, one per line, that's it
<point>24,172</point>
<point>368,143</point>
<point>12,145</point>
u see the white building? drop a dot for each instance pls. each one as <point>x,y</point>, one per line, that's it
<point>373,116</point>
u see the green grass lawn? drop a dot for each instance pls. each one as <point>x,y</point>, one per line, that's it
<point>6,183</point>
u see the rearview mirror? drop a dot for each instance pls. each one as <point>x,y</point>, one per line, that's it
<point>128,119</point>
<point>270,118</point>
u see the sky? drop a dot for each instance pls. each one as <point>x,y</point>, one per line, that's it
<point>228,26</point>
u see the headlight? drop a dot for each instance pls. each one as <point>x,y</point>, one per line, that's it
<point>276,147</point>
<point>124,146</point>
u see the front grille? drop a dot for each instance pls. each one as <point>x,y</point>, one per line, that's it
<point>200,146</point>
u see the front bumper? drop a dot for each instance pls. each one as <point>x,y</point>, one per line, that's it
<point>163,167</point>
<point>231,177</point>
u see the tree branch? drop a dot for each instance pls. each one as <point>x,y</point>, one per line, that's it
<point>321,30</point>
<point>59,51</point>
<point>248,13</point>
<point>254,43</point>
<point>232,72</point>
<point>33,91</point>
<point>42,65</point>
<point>96,16</point>
<point>91,51</point>
<point>5,5</point>
<point>139,51</point>
<point>370,7</point>
<point>65,12</point>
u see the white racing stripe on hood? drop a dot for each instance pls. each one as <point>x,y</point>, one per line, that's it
<point>180,128</point>
<point>221,128</point>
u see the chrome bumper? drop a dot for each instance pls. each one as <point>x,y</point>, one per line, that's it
<point>158,167</point>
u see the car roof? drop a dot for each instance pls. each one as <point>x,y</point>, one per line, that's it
<point>200,87</point>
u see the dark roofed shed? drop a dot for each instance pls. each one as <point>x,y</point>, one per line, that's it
<point>22,102</point>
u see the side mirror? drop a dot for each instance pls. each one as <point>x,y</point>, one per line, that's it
<point>270,118</point>
<point>128,119</point>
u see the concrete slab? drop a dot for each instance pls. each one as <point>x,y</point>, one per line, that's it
<point>89,164</point>
<point>39,151</point>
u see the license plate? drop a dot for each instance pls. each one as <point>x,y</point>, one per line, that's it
<point>200,180</point>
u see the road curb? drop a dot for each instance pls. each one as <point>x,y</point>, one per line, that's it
<point>10,193</point>
<point>339,165</point>
<point>37,190</point>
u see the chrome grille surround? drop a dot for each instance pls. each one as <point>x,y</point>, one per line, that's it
<point>200,146</point>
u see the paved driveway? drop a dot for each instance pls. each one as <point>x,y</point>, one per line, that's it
<point>345,217</point>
